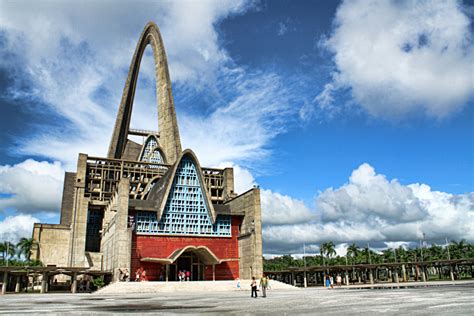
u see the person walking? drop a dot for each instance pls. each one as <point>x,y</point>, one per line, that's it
<point>137,275</point>
<point>339,280</point>
<point>328,282</point>
<point>331,280</point>
<point>188,275</point>
<point>264,285</point>
<point>253,285</point>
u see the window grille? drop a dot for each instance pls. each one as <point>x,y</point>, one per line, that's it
<point>151,152</point>
<point>186,212</point>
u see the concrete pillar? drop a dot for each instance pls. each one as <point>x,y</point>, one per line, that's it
<point>396,277</point>
<point>44,282</point>
<point>213,272</point>
<point>371,276</point>
<point>404,273</point>
<point>304,279</point>
<point>5,282</point>
<point>74,283</point>
<point>293,279</point>
<point>17,285</point>
<point>451,274</point>
<point>347,277</point>
<point>167,272</point>
<point>423,275</point>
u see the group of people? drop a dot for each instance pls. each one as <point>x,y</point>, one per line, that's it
<point>184,275</point>
<point>140,275</point>
<point>264,285</point>
<point>124,275</point>
<point>330,281</point>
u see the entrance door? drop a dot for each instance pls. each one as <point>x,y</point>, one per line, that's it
<point>184,262</point>
<point>188,261</point>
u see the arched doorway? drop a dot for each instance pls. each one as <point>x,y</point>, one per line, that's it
<point>190,261</point>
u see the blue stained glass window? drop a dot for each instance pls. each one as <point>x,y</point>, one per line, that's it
<point>151,152</point>
<point>186,212</point>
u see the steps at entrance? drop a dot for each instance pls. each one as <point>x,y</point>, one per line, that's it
<point>192,286</point>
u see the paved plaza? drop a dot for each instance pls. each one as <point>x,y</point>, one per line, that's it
<point>439,300</point>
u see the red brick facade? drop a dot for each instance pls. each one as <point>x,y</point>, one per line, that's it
<point>147,246</point>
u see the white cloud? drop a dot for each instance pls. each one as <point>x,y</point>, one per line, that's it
<point>13,228</point>
<point>241,128</point>
<point>401,57</point>
<point>370,195</point>
<point>282,209</point>
<point>75,57</point>
<point>31,186</point>
<point>371,208</point>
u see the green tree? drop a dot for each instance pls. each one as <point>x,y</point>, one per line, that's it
<point>8,249</point>
<point>353,251</point>
<point>328,248</point>
<point>25,246</point>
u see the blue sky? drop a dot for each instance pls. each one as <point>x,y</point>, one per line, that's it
<point>355,118</point>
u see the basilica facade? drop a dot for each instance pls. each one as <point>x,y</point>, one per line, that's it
<point>149,205</point>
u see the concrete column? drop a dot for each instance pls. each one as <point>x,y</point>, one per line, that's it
<point>404,273</point>
<point>304,279</point>
<point>167,272</point>
<point>44,281</point>
<point>371,276</point>
<point>5,282</point>
<point>74,283</point>
<point>423,275</point>
<point>396,276</point>
<point>347,277</point>
<point>213,272</point>
<point>293,279</point>
<point>451,274</point>
<point>17,285</point>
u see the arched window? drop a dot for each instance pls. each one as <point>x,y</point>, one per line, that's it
<point>151,151</point>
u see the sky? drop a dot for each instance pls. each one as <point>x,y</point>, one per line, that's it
<point>355,118</point>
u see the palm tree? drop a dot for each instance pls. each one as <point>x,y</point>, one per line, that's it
<point>353,251</point>
<point>388,255</point>
<point>329,248</point>
<point>7,249</point>
<point>367,254</point>
<point>25,246</point>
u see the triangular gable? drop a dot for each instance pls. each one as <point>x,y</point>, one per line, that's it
<point>151,151</point>
<point>187,210</point>
<point>182,204</point>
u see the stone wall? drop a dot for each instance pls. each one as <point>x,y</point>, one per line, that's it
<point>53,243</point>
<point>116,239</point>
<point>67,203</point>
<point>250,238</point>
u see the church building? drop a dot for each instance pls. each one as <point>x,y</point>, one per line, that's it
<point>150,205</point>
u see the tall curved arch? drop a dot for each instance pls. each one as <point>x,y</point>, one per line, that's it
<point>169,133</point>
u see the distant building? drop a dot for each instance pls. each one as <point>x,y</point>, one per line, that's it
<point>150,204</point>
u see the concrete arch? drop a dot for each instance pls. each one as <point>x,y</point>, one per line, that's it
<point>169,133</point>
<point>161,191</point>
<point>158,147</point>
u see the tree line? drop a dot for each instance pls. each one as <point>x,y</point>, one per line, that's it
<point>365,255</point>
<point>18,254</point>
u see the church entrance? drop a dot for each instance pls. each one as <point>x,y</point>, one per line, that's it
<point>188,261</point>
